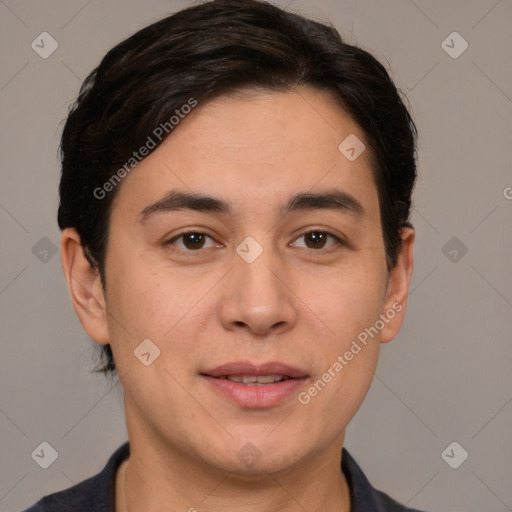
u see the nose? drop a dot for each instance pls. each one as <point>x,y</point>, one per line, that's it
<point>257,295</point>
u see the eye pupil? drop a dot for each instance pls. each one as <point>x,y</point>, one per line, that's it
<point>317,237</point>
<point>196,238</point>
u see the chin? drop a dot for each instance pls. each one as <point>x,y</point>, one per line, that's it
<point>253,455</point>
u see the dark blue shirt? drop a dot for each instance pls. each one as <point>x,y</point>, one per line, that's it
<point>96,494</point>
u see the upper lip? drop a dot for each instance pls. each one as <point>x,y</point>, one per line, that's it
<point>250,369</point>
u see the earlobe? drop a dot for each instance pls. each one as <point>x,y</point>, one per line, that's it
<point>398,287</point>
<point>84,286</point>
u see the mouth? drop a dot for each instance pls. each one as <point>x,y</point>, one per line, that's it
<point>245,369</point>
<point>255,386</point>
<point>255,380</point>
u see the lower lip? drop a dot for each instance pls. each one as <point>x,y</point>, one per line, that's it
<point>266,395</point>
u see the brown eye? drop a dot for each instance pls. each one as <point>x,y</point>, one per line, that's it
<point>317,239</point>
<point>192,240</point>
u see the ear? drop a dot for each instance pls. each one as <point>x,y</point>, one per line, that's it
<point>84,285</point>
<point>399,280</point>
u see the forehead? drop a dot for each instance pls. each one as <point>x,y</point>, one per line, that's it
<point>255,150</point>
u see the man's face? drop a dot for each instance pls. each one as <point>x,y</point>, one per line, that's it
<point>254,286</point>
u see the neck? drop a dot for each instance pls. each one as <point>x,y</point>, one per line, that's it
<point>149,480</point>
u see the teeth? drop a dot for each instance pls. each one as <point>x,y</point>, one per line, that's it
<point>255,380</point>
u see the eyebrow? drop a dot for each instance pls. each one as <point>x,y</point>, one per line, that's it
<point>333,199</point>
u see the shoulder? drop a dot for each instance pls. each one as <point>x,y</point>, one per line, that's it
<point>79,498</point>
<point>365,498</point>
<point>96,493</point>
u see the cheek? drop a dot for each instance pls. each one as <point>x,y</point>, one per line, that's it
<point>346,356</point>
<point>147,301</point>
<point>133,294</point>
<point>347,305</point>
<point>346,300</point>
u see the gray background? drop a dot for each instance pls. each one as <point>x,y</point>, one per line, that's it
<point>447,376</point>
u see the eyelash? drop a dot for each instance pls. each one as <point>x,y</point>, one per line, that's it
<point>338,240</point>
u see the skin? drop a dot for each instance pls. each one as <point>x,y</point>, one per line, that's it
<point>298,303</point>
